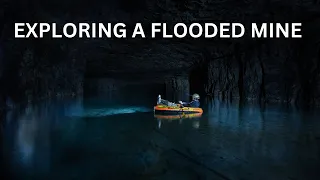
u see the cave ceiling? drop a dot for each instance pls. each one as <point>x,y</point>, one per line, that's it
<point>117,55</point>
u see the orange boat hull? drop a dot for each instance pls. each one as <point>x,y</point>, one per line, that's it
<point>178,116</point>
<point>176,110</point>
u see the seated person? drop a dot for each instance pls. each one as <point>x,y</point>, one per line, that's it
<point>165,102</point>
<point>194,103</point>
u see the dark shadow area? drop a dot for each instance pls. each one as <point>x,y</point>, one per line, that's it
<point>82,108</point>
<point>198,79</point>
<point>124,90</point>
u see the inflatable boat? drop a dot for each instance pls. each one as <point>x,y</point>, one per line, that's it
<point>177,116</point>
<point>163,109</point>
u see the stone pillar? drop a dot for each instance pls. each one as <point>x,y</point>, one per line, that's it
<point>177,88</point>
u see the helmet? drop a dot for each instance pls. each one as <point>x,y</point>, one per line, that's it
<point>195,96</point>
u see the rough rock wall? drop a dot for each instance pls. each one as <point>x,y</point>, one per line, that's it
<point>177,88</point>
<point>33,69</point>
<point>106,87</point>
<point>281,72</point>
<point>36,70</point>
<point>40,77</point>
<point>2,97</point>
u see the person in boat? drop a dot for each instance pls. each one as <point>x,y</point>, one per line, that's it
<point>165,102</point>
<point>194,103</point>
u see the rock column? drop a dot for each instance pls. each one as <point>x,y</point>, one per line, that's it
<point>177,88</point>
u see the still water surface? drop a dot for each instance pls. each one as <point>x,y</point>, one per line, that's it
<point>77,139</point>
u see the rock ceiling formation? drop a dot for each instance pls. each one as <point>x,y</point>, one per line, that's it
<point>109,55</point>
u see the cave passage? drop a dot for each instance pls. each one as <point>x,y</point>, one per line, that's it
<point>129,88</point>
<point>74,108</point>
<point>124,91</point>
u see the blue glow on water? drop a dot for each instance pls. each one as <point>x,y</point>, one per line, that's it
<point>100,112</point>
<point>55,140</point>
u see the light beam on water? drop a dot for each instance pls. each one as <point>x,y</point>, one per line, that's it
<point>100,112</point>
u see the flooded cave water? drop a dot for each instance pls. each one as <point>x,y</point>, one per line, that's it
<point>114,134</point>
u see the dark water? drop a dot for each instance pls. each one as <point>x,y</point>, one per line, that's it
<point>76,139</point>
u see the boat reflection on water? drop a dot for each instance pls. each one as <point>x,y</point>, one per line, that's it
<point>180,117</point>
